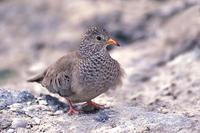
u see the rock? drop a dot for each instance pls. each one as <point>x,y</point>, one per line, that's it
<point>37,120</point>
<point>4,123</point>
<point>43,102</point>
<point>24,96</point>
<point>10,131</point>
<point>16,107</point>
<point>19,123</point>
<point>102,117</point>
<point>8,97</point>
<point>53,103</point>
<point>59,112</point>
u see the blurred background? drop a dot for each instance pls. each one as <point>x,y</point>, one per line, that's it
<point>159,39</point>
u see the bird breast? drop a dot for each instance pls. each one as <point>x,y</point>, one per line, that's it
<point>99,72</point>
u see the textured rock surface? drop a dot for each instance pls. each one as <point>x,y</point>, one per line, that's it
<point>160,55</point>
<point>7,98</point>
<point>34,117</point>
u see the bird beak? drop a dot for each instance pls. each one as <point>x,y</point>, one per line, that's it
<point>110,41</point>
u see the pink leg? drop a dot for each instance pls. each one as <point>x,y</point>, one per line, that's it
<point>71,110</point>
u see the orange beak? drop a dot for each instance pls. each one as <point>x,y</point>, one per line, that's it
<point>110,41</point>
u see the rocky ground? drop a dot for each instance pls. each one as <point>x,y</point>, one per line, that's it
<point>160,54</point>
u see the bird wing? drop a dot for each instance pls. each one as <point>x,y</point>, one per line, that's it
<point>57,78</point>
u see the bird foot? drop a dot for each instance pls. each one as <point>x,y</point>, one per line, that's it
<point>95,105</point>
<point>72,111</point>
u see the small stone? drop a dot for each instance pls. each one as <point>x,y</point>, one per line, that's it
<point>54,103</point>
<point>4,123</point>
<point>10,131</point>
<point>37,120</point>
<point>59,112</point>
<point>6,98</point>
<point>24,96</point>
<point>29,109</point>
<point>43,102</point>
<point>16,107</point>
<point>19,123</point>
<point>163,110</point>
<point>29,103</point>
<point>50,113</point>
<point>102,117</point>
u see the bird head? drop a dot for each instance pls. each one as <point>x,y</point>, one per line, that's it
<point>95,39</point>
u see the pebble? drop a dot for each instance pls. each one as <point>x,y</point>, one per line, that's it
<point>102,117</point>
<point>29,103</point>
<point>53,103</point>
<point>16,107</point>
<point>24,96</point>
<point>59,112</point>
<point>10,131</point>
<point>19,123</point>
<point>37,120</point>
<point>43,102</point>
<point>8,97</point>
<point>4,123</point>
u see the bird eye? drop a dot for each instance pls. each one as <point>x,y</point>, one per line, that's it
<point>98,38</point>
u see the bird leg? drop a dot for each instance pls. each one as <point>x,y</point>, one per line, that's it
<point>93,104</point>
<point>71,110</point>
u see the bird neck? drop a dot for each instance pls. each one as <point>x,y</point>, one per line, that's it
<point>87,51</point>
<point>103,54</point>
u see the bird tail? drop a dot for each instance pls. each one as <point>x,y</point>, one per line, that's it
<point>38,78</point>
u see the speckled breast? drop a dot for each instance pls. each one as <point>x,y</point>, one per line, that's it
<point>99,74</point>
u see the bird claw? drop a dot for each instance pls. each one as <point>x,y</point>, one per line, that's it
<point>72,111</point>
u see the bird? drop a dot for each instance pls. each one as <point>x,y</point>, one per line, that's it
<point>85,73</point>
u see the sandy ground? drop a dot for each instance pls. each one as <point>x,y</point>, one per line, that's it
<point>160,54</point>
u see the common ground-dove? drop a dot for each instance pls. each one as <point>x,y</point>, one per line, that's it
<point>84,74</point>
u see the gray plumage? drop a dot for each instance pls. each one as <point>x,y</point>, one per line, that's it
<point>83,74</point>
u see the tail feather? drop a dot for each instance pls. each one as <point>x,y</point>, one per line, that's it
<point>38,78</point>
